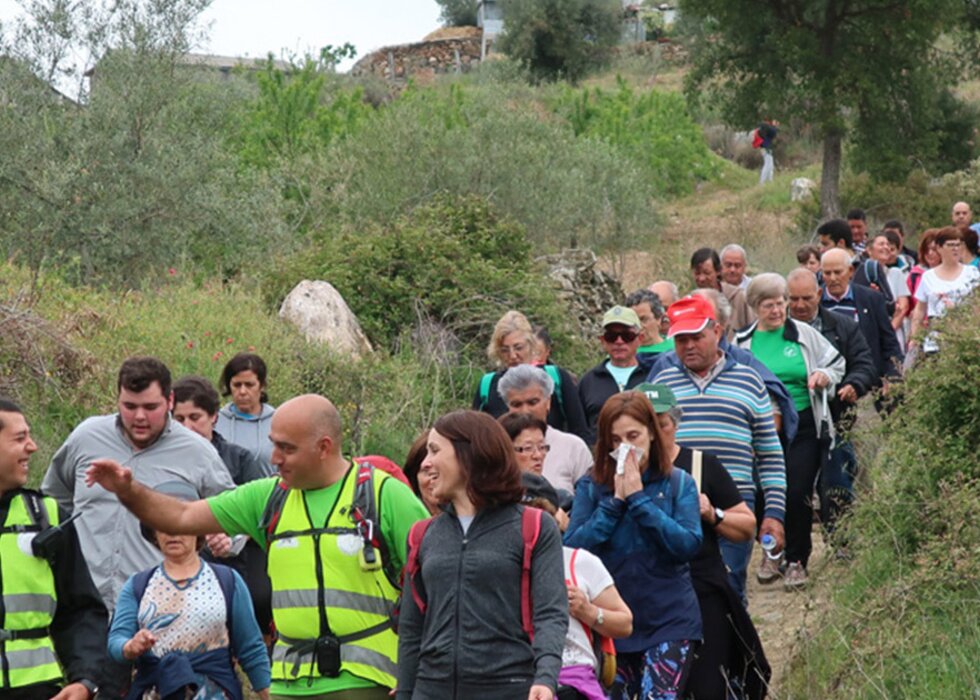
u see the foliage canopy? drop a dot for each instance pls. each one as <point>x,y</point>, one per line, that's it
<point>868,70</point>
<point>561,39</point>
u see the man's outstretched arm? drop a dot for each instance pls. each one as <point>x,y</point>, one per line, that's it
<point>160,512</point>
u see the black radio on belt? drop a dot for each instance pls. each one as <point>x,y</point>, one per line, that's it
<point>326,651</point>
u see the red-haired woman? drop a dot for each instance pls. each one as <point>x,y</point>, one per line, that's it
<point>469,640</point>
<point>645,526</point>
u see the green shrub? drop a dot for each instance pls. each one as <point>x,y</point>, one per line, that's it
<point>133,183</point>
<point>901,621</point>
<point>919,202</point>
<point>654,128</point>
<point>451,261</point>
<point>487,140</point>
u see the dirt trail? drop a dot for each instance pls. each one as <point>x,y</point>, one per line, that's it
<point>780,616</point>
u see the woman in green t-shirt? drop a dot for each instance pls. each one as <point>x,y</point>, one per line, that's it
<point>810,367</point>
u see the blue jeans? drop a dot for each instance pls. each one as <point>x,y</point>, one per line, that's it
<point>736,555</point>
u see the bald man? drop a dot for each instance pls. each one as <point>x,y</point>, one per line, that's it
<point>668,293</point>
<point>336,536</point>
<point>866,307</point>
<point>962,216</point>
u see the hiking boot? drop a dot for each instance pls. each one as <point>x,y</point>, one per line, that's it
<point>769,569</point>
<point>795,577</point>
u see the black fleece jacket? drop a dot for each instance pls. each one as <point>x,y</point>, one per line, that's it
<point>470,643</point>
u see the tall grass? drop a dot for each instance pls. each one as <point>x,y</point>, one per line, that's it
<point>903,619</point>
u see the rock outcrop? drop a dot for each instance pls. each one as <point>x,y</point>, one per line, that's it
<point>588,291</point>
<point>320,313</point>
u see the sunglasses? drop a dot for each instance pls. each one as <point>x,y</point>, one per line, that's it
<point>627,336</point>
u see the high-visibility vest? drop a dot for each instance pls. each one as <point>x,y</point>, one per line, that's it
<point>29,597</point>
<point>312,565</point>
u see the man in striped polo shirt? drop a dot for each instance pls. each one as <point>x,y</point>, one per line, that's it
<point>728,413</point>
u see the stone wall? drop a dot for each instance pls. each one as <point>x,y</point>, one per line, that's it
<point>422,60</point>
<point>587,290</point>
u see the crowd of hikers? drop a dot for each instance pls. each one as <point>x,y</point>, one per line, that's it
<point>566,537</point>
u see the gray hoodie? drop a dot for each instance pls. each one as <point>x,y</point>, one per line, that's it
<point>251,432</point>
<point>470,642</point>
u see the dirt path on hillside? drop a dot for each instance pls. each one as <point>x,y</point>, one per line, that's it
<point>781,616</point>
<point>714,218</point>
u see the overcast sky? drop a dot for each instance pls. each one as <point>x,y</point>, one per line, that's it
<point>256,27</point>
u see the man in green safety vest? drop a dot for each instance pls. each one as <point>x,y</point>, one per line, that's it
<point>336,534</point>
<point>52,620</point>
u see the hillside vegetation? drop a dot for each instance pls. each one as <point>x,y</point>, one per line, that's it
<point>170,212</point>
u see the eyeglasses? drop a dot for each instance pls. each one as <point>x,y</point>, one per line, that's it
<point>627,336</point>
<point>953,244</point>
<point>531,449</point>
<point>771,305</point>
<point>516,349</point>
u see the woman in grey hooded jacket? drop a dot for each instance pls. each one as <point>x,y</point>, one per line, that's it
<point>461,631</point>
<point>246,420</point>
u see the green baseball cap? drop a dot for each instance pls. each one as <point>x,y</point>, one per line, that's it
<point>661,396</point>
<point>622,315</point>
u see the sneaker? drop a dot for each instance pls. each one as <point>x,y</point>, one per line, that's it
<point>768,570</point>
<point>795,577</point>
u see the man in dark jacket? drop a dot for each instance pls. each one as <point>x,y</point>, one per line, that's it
<point>621,370</point>
<point>860,375</point>
<point>867,308</point>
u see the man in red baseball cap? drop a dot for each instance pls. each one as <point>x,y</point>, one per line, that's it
<point>727,412</point>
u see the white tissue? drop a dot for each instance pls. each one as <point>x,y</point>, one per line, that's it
<point>620,454</point>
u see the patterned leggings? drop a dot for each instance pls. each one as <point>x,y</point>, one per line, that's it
<point>659,673</point>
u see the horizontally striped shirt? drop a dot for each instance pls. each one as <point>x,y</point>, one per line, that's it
<point>732,419</point>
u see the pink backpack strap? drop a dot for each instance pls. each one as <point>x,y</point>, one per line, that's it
<point>412,567</point>
<point>530,529</point>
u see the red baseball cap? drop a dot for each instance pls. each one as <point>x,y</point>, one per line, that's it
<point>690,315</point>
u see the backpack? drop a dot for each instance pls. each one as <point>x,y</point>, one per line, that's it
<point>756,139</point>
<point>552,371</point>
<point>871,268</point>
<point>604,648</point>
<point>364,512</point>
<point>226,579</point>
<point>530,530</point>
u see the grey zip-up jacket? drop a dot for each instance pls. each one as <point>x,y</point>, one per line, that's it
<point>470,642</point>
<point>251,432</point>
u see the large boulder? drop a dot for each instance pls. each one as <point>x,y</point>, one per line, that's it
<point>801,188</point>
<point>321,314</point>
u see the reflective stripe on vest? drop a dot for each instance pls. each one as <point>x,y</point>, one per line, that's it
<point>352,653</point>
<point>354,599</point>
<point>29,601</point>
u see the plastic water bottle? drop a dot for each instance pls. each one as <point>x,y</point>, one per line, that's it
<point>768,543</point>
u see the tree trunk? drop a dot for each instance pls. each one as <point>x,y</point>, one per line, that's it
<point>830,175</point>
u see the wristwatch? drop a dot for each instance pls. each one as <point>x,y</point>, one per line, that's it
<point>719,516</point>
<point>89,685</point>
<point>600,617</point>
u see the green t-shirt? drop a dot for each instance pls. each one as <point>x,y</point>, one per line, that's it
<point>239,511</point>
<point>784,358</point>
<point>663,346</point>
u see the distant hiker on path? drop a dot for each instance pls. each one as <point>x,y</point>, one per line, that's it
<point>764,135</point>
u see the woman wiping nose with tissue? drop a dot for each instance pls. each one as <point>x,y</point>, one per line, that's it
<point>644,524</point>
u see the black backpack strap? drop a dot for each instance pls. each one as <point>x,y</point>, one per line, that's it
<point>273,509</point>
<point>364,512</point>
<point>226,579</point>
<point>140,582</point>
<point>36,509</point>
